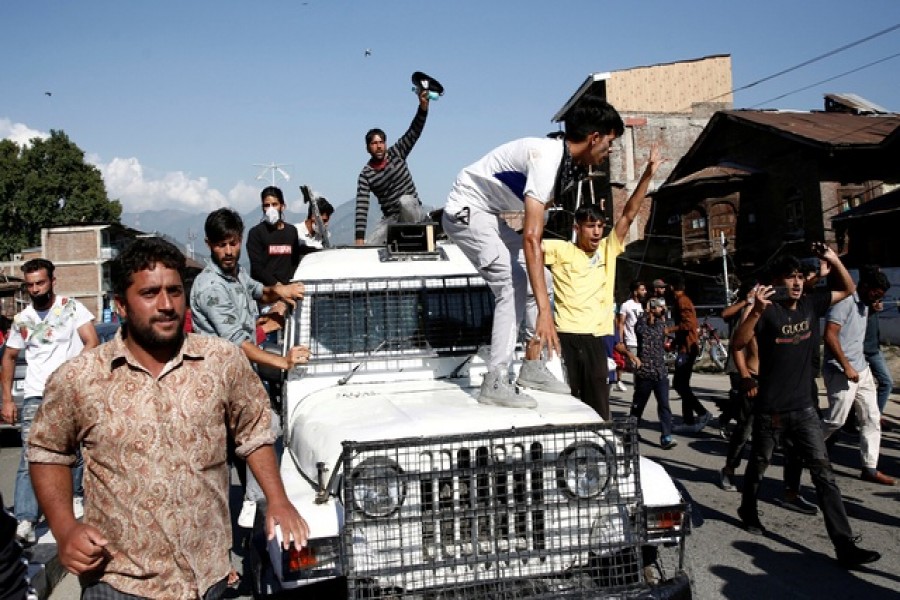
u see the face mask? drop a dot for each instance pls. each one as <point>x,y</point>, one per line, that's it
<point>41,300</point>
<point>273,215</point>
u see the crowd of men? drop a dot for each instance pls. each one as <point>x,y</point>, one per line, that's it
<point>157,416</point>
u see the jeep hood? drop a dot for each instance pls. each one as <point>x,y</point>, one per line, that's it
<point>365,412</point>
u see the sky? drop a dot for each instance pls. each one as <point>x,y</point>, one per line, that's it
<point>176,102</point>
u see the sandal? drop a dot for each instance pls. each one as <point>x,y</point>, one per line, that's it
<point>234,579</point>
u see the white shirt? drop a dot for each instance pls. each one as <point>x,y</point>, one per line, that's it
<point>306,239</point>
<point>48,342</point>
<point>500,180</point>
<point>632,309</point>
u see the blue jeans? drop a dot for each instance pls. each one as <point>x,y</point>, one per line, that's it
<point>882,375</point>
<point>802,429</point>
<point>26,507</point>
<point>660,388</point>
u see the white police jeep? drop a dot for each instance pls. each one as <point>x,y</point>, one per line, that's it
<point>412,489</point>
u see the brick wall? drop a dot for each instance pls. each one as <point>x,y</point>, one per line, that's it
<point>61,245</point>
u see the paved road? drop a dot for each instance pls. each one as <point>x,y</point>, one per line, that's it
<point>794,561</point>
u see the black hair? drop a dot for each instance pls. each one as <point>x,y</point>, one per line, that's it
<point>784,265</point>
<point>223,223</point>
<point>38,264</point>
<point>745,287</point>
<point>325,207</point>
<point>273,191</point>
<point>872,277</point>
<point>589,212</point>
<point>373,132</point>
<point>676,283</point>
<point>590,114</point>
<point>635,284</point>
<point>141,254</point>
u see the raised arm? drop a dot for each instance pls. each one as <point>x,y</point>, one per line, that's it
<point>405,144</point>
<point>633,206</point>
<point>839,278</point>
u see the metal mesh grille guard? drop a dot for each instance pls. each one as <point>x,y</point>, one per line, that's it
<point>348,320</point>
<point>541,512</point>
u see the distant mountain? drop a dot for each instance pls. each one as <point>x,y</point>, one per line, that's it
<point>186,227</point>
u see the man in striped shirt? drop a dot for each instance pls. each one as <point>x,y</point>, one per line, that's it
<point>387,176</point>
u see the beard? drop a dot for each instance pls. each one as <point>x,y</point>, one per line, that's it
<point>42,301</point>
<point>149,338</point>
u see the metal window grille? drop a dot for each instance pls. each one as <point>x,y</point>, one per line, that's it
<point>414,316</point>
<point>539,512</point>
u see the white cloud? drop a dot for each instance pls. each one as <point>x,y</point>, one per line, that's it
<point>19,132</point>
<point>127,181</point>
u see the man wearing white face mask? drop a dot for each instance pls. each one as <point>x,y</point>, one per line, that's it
<point>273,246</point>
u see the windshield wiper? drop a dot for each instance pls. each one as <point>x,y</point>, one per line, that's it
<point>347,377</point>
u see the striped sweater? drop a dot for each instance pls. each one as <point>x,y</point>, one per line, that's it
<point>391,182</point>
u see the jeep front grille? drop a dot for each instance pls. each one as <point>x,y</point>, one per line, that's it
<point>552,508</point>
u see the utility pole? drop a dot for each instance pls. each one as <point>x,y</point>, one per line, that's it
<point>725,266</point>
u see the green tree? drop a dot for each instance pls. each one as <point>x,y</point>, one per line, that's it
<point>45,184</point>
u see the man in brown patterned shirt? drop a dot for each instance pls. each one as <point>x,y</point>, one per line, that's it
<point>153,409</point>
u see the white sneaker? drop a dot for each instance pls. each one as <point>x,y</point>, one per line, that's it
<point>25,533</point>
<point>620,385</point>
<point>78,506</point>
<point>497,390</point>
<point>248,514</point>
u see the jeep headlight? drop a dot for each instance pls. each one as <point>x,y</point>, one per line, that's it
<point>584,470</point>
<point>377,488</point>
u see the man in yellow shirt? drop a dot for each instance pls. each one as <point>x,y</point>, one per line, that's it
<point>584,279</point>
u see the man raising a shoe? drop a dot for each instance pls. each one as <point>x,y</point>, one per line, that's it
<point>784,408</point>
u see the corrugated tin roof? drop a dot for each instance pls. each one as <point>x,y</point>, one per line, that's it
<point>836,129</point>
<point>723,172</point>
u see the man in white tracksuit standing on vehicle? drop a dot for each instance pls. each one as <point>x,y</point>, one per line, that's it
<point>529,172</point>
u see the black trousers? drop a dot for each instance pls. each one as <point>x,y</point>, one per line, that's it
<point>585,358</point>
<point>801,429</point>
<point>681,383</point>
<point>104,591</point>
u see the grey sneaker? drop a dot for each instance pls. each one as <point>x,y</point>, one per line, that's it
<point>25,534</point>
<point>497,390</point>
<point>534,374</point>
<point>726,481</point>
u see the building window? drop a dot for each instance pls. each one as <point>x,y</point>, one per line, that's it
<point>793,210</point>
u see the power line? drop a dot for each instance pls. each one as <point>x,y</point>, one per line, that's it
<point>807,62</point>
<point>812,85</point>
<point>820,57</point>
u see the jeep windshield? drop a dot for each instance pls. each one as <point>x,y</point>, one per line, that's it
<point>352,320</point>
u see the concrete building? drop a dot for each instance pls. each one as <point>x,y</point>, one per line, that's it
<point>665,104</point>
<point>81,254</point>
